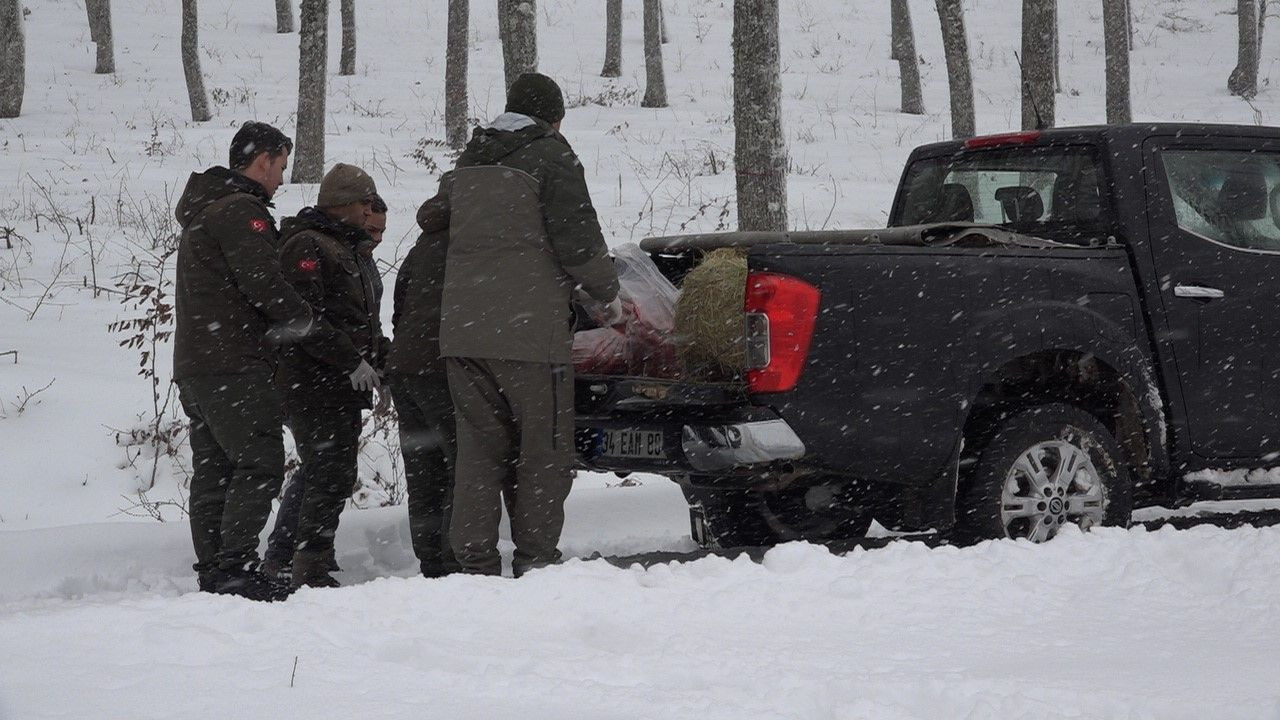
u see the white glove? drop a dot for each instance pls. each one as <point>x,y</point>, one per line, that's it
<point>364,378</point>
<point>612,313</point>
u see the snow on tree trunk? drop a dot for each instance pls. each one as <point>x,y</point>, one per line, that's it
<point>1128,22</point>
<point>99,13</point>
<point>662,23</point>
<point>959,78</point>
<point>1262,23</point>
<point>347,63</point>
<point>313,45</point>
<point>1243,80</point>
<point>760,151</point>
<point>613,40</point>
<point>13,58</point>
<point>455,74</point>
<point>1115,30</point>
<point>655,84</point>
<point>904,50</point>
<point>1037,64</point>
<point>284,16</point>
<point>518,30</point>
<point>191,63</point>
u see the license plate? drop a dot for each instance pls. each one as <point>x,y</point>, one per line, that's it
<point>628,443</point>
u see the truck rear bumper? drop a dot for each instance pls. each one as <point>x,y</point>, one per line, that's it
<point>713,448</point>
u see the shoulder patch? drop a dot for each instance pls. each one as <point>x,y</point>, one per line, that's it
<point>259,225</point>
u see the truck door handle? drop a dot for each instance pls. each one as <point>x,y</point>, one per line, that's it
<point>1198,291</point>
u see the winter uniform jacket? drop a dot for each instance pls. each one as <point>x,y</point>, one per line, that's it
<point>522,234</point>
<point>232,305</point>
<point>415,317</point>
<point>319,257</point>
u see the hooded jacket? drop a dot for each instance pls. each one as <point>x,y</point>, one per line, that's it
<point>522,234</point>
<point>319,257</point>
<point>415,318</point>
<point>232,305</point>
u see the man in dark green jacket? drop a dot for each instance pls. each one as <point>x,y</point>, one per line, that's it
<point>522,235</point>
<point>416,374</point>
<point>329,378</point>
<point>233,308</point>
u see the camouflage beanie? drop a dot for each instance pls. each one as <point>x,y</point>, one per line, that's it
<point>345,184</point>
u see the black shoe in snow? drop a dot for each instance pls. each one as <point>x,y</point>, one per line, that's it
<point>205,580</point>
<point>249,584</point>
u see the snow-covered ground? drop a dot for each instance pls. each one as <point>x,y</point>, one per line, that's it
<point>97,617</point>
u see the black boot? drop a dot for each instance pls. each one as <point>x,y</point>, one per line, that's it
<point>248,584</point>
<point>311,569</point>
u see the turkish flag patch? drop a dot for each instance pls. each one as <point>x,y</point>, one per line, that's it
<point>259,225</point>
<point>308,265</point>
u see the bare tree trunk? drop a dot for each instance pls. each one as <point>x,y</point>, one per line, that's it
<point>347,63</point>
<point>959,77</point>
<point>455,74</point>
<point>613,40</point>
<point>518,29</point>
<point>1128,21</point>
<point>284,16</point>
<point>895,29</point>
<point>191,63</point>
<point>99,12</point>
<point>655,84</point>
<point>13,59</point>
<point>1262,23</point>
<point>313,51</point>
<point>1115,31</point>
<point>662,22</point>
<point>760,151</point>
<point>904,44</point>
<point>1057,50</point>
<point>1037,64</point>
<point>1243,80</point>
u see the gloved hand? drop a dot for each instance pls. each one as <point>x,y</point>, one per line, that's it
<point>612,313</point>
<point>364,377</point>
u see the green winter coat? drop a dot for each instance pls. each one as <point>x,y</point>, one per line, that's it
<point>319,256</point>
<point>522,234</point>
<point>232,306</point>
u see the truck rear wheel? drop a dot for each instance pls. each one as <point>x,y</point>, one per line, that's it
<point>1045,468</point>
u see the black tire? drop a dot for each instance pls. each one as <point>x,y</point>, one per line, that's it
<point>738,517</point>
<point>1001,487</point>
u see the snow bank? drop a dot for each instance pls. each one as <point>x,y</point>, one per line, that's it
<point>1112,624</point>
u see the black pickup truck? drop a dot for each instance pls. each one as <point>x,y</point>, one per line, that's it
<point>1056,327</point>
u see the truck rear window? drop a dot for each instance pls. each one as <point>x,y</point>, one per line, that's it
<point>1050,192</point>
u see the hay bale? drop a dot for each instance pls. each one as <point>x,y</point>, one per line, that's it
<point>709,321</point>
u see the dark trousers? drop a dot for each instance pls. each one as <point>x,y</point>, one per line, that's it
<point>328,440</point>
<point>284,535</point>
<point>428,445</point>
<point>515,446</point>
<point>237,455</point>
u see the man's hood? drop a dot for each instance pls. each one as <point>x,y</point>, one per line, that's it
<point>213,185</point>
<point>310,218</point>
<point>508,133</point>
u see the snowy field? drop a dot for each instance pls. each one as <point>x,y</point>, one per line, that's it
<point>98,618</point>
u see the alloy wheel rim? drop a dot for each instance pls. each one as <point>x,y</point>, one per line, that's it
<point>1050,485</point>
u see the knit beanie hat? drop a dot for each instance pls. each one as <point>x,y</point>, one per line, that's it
<point>345,184</point>
<point>536,95</point>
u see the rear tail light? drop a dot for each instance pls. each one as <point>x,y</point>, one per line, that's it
<point>1015,138</point>
<point>781,314</point>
